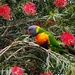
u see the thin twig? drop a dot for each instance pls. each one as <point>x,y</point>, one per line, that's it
<point>5,32</point>
<point>14,43</point>
<point>5,49</point>
<point>14,53</point>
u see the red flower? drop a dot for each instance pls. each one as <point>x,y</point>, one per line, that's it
<point>5,11</point>
<point>60,3</point>
<point>38,23</point>
<point>41,73</point>
<point>67,38</point>
<point>29,8</point>
<point>51,21</point>
<point>17,71</point>
<point>48,73</point>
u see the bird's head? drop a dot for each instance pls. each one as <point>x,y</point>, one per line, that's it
<point>33,30</point>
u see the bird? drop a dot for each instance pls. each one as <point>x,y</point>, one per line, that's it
<point>44,38</point>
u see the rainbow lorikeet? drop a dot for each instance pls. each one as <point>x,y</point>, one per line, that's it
<point>44,38</point>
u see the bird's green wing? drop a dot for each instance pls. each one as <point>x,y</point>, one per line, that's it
<point>54,44</point>
<point>53,41</point>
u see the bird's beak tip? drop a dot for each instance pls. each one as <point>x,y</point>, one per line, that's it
<point>28,31</point>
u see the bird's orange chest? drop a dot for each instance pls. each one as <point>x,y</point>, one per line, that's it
<point>41,38</point>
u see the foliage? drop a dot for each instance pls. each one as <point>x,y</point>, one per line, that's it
<point>18,48</point>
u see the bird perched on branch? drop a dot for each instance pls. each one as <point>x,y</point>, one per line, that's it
<point>44,38</point>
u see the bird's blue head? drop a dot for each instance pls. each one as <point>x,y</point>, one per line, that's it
<point>32,30</point>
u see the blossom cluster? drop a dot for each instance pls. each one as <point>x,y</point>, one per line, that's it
<point>68,38</point>
<point>5,11</point>
<point>29,8</point>
<point>17,70</point>
<point>60,3</point>
<point>47,73</point>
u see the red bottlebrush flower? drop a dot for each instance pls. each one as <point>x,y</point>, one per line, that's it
<point>17,71</point>
<point>60,3</point>
<point>29,8</point>
<point>67,38</point>
<point>51,21</point>
<point>48,73</point>
<point>5,11</point>
<point>38,23</point>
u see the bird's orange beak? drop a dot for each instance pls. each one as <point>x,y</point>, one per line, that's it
<point>28,31</point>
